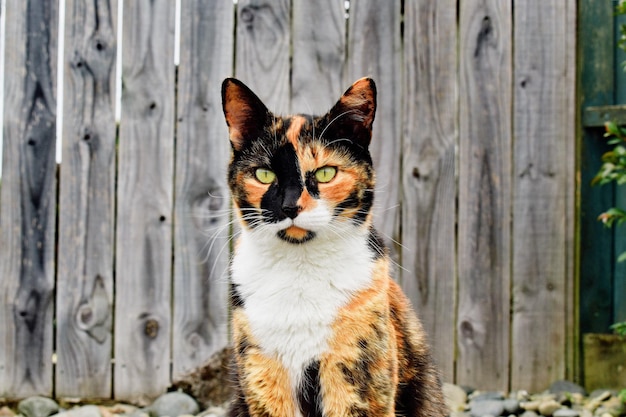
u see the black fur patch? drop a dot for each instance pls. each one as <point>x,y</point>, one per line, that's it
<point>309,396</point>
<point>307,237</point>
<point>235,298</point>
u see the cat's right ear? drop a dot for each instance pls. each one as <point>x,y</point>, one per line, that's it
<point>245,113</point>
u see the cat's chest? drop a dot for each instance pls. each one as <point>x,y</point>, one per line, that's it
<point>292,298</point>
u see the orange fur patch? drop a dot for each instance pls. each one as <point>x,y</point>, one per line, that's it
<point>364,320</point>
<point>255,191</point>
<point>293,132</point>
<point>296,232</point>
<point>306,202</point>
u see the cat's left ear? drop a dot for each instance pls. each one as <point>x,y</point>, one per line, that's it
<point>353,115</point>
<point>245,113</point>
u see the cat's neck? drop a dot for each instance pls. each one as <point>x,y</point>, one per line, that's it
<point>331,254</point>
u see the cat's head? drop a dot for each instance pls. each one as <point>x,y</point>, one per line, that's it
<point>300,177</point>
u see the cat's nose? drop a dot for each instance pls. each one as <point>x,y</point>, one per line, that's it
<point>290,206</point>
<point>291,211</point>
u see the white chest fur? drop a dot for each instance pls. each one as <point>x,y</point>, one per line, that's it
<point>292,293</point>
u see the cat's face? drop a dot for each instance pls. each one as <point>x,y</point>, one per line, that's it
<point>299,177</point>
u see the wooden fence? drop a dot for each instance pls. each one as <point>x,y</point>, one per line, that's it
<point>113,272</point>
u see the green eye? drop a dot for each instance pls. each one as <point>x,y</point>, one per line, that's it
<point>325,174</point>
<point>265,175</point>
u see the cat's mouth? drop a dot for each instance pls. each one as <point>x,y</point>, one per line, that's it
<point>295,234</point>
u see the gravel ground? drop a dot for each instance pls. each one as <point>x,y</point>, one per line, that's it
<point>563,399</point>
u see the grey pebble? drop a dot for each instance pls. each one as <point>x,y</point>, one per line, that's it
<point>566,412</point>
<point>38,407</point>
<point>511,406</point>
<point>84,411</point>
<point>562,386</point>
<point>486,407</point>
<point>173,404</point>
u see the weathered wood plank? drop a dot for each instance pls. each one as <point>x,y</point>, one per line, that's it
<point>319,54</point>
<point>86,202</point>
<point>428,177</point>
<point>484,242</point>
<point>145,202</point>
<point>543,184</point>
<point>376,52</point>
<point>202,205</point>
<point>263,50</point>
<point>28,199</point>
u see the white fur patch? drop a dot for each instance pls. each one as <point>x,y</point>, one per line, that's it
<point>292,292</point>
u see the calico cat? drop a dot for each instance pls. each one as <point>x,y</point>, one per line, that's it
<point>319,327</point>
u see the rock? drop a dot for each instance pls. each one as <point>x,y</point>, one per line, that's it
<point>38,407</point>
<point>597,400</point>
<point>84,411</point>
<point>530,405</point>
<point>566,412</point>
<point>213,412</point>
<point>483,408</point>
<point>455,396</point>
<point>548,407</point>
<point>563,386</point>
<point>6,412</point>
<point>511,406</point>
<point>120,408</point>
<point>173,404</point>
<point>529,413</point>
<point>613,406</point>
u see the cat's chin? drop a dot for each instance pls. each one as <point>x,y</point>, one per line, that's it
<point>295,235</point>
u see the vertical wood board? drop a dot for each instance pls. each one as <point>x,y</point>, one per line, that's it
<point>202,204</point>
<point>542,224</point>
<point>484,243</point>
<point>318,55</point>
<point>87,202</point>
<point>145,203</point>
<point>263,48</point>
<point>28,199</point>
<point>428,177</point>
<point>376,52</point>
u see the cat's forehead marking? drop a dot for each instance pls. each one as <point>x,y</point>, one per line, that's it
<point>295,126</point>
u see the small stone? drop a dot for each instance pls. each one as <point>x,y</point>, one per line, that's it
<point>84,411</point>
<point>511,405</point>
<point>566,412</point>
<point>529,413</point>
<point>173,404</point>
<point>562,386</point>
<point>530,405</point>
<point>597,400</point>
<point>486,407</point>
<point>455,397</point>
<point>613,406</point>
<point>602,395</point>
<point>121,408</point>
<point>6,412</point>
<point>548,407</point>
<point>577,398</point>
<point>38,407</point>
<point>213,412</point>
